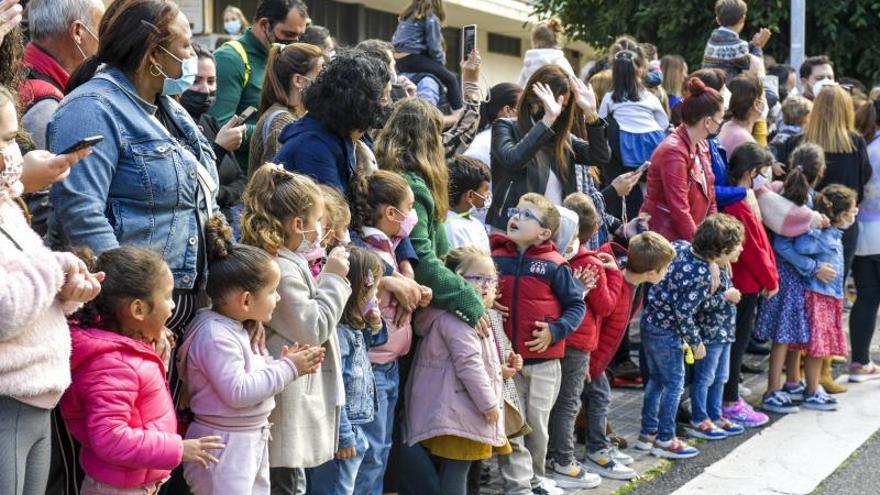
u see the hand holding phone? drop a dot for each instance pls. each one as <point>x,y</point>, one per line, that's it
<point>246,114</point>
<point>468,40</point>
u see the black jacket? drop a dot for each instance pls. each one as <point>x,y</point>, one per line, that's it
<point>852,170</point>
<point>232,180</point>
<point>519,166</point>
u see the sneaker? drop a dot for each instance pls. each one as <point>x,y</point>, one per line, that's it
<point>820,401</point>
<point>539,490</point>
<point>795,391</point>
<point>621,457</point>
<point>778,402</point>
<point>674,449</point>
<point>645,442</point>
<point>743,391</point>
<point>732,429</point>
<point>604,464</point>
<point>742,414</point>
<point>546,486</point>
<point>707,430</point>
<point>859,373</point>
<point>573,475</point>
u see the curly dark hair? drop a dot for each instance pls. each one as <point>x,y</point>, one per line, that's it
<point>347,95</point>
<point>717,235</point>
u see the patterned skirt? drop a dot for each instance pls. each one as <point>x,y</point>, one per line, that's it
<point>825,314</point>
<point>783,318</point>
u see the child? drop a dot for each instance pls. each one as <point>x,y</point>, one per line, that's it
<point>232,388</point>
<point>567,472</point>
<point>639,114</point>
<point>469,197</point>
<point>725,50</point>
<point>824,295</point>
<point>754,275</point>
<point>361,327</point>
<point>646,261</point>
<point>458,428</point>
<point>118,406</point>
<point>545,50</point>
<point>783,318</point>
<point>282,215</point>
<point>795,117</point>
<point>546,304</point>
<point>418,45</point>
<point>383,215</point>
<point>335,224</point>
<point>668,320</point>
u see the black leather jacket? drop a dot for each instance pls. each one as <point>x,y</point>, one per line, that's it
<point>519,166</point>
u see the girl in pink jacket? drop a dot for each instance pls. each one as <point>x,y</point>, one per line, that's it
<point>118,406</point>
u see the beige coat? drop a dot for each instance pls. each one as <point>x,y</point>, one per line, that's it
<point>306,415</point>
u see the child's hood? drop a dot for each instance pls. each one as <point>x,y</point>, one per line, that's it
<point>568,228</point>
<point>89,343</point>
<point>427,320</point>
<point>538,57</point>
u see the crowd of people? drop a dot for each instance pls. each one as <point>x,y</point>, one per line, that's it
<point>278,267</point>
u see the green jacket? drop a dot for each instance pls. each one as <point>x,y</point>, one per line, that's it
<point>451,292</point>
<point>232,99</point>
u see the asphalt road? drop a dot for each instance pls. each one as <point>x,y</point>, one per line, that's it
<point>860,474</point>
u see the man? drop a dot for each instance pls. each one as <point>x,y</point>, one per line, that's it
<point>814,70</point>
<point>241,63</point>
<point>63,34</point>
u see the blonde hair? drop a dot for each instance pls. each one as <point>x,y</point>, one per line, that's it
<point>832,122</point>
<point>795,109</point>
<point>461,260</point>
<point>545,34</point>
<point>601,83</point>
<point>272,197</point>
<point>674,69</point>
<point>412,141</point>
<point>550,217</point>
<point>335,207</point>
<point>231,9</point>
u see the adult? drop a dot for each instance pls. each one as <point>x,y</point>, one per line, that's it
<point>241,63</point>
<point>674,69</point>
<point>787,77</point>
<point>866,265</point>
<point>815,70</point>
<point>832,127</point>
<point>680,191</point>
<point>225,140</point>
<point>747,104</point>
<point>503,98</point>
<point>537,152</point>
<point>234,21</point>
<point>320,37</point>
<point>290,70</point>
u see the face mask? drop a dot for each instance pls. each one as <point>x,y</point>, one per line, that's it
<point>818,85</point>
<point>272,39</point>
<point>487,202</point>
<point>188,70</point>
<point>846,225</point>
<point>572,249</point>
<point>765,109</point>
<point>309,248</point>
<point>369,306</point>
<point>14,164</point>
<point>197,103</point>
<point>759,181</point>
<point>408,223</point>
<point>232,27</point>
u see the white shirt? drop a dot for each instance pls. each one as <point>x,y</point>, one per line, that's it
<point>636,117</point>
<point>465,231</point>
<point>481,147</point>
<point>554,188</point>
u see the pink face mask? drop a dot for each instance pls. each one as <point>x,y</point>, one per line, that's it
<point>408,223</point>
<point>13,165</point>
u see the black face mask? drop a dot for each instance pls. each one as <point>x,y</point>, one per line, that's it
<point>197,104</point>
<point>382,116</point>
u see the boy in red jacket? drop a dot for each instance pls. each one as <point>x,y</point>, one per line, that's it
<point>546,304</point>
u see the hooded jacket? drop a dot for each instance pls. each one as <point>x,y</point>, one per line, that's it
<point>120,410</point>
<point>612,327</point>
<point>601,300</point>
<point>536,58</point>
<point>310,148</point>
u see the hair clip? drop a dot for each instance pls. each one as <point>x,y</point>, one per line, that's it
<point>625,55</point>
<point>799,168</point>
<point>369,280</point>
<point>151,26</point>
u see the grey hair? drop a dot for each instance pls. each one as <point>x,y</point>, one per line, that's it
<point>50,18</point>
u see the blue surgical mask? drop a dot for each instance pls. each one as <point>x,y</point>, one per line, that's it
<point>232,27</point>
<point>188,70</point>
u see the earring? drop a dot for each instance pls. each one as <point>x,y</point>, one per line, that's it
<point>156,67</point>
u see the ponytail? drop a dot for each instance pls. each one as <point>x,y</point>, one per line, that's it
<point>370,192</point>
<point>233,266</point>
<point>807,165</point>
<point>834,200</point>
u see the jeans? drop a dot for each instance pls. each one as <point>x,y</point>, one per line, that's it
<point>25,448</point>
<point>710,375</point>
<point>574,365</point>
<point>746,311</point>
<point>863,318</point>
<point>337,477</point>
<point>416,63</point>
<point>597,403</point>
<point>378,432</point>
<point>453,476</point>
<point>664,358</point>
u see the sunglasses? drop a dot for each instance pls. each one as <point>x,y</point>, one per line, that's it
<point>524,214</point>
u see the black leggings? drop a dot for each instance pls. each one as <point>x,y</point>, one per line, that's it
<point>415,63</point>
<point>746,311</point>
<point>849,240</point>
<point>866,271</point>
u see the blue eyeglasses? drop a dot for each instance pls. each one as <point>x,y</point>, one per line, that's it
<point>524,214</point>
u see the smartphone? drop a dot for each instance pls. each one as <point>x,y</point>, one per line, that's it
<point>248,112</point>
<point>468,40</point>
<point>83,143</point>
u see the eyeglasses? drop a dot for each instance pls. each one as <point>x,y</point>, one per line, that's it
<point>484,281</point>
<point>524,214</point>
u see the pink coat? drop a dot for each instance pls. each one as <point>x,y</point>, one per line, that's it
<point>455,380</point>
<point>120,410</point>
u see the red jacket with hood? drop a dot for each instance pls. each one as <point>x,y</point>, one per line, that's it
<point>614,324</point>
<point>601,299</point>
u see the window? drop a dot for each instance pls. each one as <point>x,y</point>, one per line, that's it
<point>505,45</point>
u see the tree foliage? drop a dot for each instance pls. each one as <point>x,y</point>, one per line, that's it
<point>847,31</point>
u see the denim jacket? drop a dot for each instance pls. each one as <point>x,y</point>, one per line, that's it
<point>357,376</point>
<point>139,185</point>
<point>420,37</point>
<point>823,246</point>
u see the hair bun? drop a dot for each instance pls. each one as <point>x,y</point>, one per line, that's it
<point>218,238</point>
<point>695,87</point>
<point>554,25</point>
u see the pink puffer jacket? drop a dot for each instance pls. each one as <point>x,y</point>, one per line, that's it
<point>120,410</point>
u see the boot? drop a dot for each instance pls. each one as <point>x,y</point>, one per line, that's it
<point>826,379</point>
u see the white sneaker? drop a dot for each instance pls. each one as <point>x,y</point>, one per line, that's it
<point>573,475</point>
<point>604,464</point>
<point>549,486</point>
<point>620,457</point>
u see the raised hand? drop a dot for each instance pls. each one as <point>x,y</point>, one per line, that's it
<point>584,97</point>
<point>552,104</point>
<point>337,262</point>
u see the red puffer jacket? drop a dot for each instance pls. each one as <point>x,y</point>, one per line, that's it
<point>601,301</point>
<point>537,285</point>
<point>612,326</point>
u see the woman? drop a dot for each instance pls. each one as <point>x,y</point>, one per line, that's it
<point>536,152</point>
<point>234,21</point>
<point>680,191</point>
<point>674,69</point>
<point>502,105</point>
<point>320,36</point>
<point>747,103</point>
<point>197,100</point>
<point>289,71</point>
<point>866,265</point>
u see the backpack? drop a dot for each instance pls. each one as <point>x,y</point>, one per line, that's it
<point>239,49</point>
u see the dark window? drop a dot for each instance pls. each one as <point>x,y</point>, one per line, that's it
<point>505,45</point>
<point>452,36</point>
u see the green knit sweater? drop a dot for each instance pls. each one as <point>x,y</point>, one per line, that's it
<point>451,292</point>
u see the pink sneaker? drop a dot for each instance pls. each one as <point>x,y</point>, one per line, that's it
<point>743,414</point>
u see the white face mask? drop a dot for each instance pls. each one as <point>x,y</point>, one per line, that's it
<point>765,109</point>
<point>307,247</point>
<point>13,162</point>
<point>818,85</point>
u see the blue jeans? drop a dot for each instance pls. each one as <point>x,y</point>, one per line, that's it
<point>665,362</point>
<point>710,375</point>
<point>378,432</point>
<point>337,477</point>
